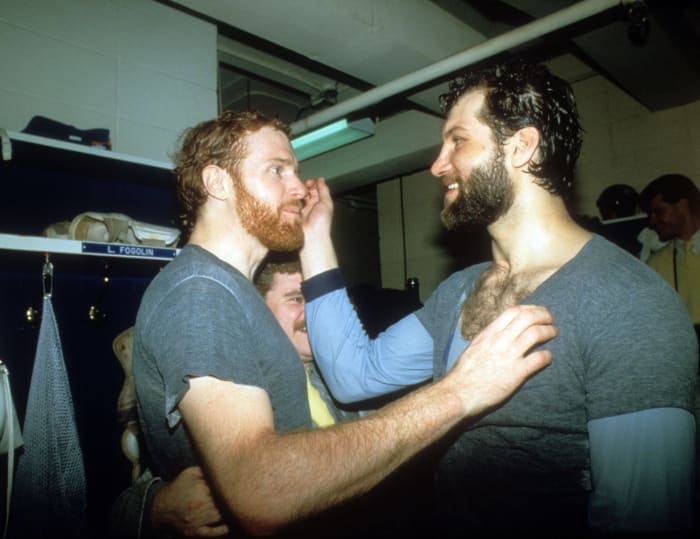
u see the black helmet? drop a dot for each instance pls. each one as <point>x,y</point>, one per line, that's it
<point>617,201</point>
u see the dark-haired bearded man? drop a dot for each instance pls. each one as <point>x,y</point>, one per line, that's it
<point>603,440</point>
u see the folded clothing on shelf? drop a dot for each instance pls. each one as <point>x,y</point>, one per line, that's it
<point>46,127</point>
<point>113,228</point>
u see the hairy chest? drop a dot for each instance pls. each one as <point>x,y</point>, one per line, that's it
<point>497,289</point>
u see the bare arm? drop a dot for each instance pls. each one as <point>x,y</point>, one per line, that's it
<point>268,479</point>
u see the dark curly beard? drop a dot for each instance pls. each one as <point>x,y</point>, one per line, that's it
<point>484,196</point>
<point>268,226</point>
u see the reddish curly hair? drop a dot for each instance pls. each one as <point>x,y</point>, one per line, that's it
<point>220,142</point>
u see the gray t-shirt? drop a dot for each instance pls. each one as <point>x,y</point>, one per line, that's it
<point>625,344</point>
<point>202,317</point>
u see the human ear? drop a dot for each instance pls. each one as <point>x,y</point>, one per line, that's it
<point>216,181</point>
<point>525,143</point>
<point>683,205</point>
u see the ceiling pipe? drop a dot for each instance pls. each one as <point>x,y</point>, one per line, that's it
<point>512,38</point>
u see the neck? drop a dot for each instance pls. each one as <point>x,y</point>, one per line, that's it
<point>230,243</point>
<point>692,225</point>
<point>536,234</point>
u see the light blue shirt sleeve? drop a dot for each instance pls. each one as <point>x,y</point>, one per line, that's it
<point>643,468</point>
<point>356,367</point>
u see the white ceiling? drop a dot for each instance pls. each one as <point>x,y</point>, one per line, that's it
<point>285,56</point>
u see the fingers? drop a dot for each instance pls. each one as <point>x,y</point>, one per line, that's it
<point>511,337</point>
<point>318,188</point>
<point>517,321</point>
<point>193,472</point>
<point>323,191</point>
<point>535,362</point>
<point>501,358</point>
<point>212,531</point>
<point>535,335</point>
<point>311,198</point>
<point>316,185</point>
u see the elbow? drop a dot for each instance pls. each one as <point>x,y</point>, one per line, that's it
<point>261,517</point>
<point>260,525</point>
<point>346,394</point>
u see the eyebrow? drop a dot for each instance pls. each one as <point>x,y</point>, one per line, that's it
<point>291,293</point>
<point>451,131</point>
<point>283,161</point>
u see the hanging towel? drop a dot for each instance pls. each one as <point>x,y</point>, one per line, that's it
<point>50,490</point>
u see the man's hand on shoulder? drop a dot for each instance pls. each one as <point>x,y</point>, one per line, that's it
<point>499,359</point>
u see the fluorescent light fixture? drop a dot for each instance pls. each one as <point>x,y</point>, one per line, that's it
<point>331,136</point>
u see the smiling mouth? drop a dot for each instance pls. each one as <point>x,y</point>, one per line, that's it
<point>452,186</point>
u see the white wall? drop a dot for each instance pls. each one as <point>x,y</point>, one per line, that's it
<point>623,143</point>
<point>136,67</point>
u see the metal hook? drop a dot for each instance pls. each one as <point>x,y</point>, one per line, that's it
<point>47,277</point>
<point>95,314</point>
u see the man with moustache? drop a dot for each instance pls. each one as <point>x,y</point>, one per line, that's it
<point>220,385</point>
<point>279,283</point>
<point>603,440</point>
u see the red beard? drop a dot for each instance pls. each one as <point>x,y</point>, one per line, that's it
<point>271,227</point>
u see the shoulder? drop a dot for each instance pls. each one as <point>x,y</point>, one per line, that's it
<point>662,256</point>
<point>195,282</point>
<point>615,299</point>
<point>612,268</point>
<point>449,292</point>
<point>196,268</point>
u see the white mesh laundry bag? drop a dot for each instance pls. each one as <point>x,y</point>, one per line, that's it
<point>49,498</point>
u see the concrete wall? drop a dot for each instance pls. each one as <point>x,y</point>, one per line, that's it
<point>136,67</point>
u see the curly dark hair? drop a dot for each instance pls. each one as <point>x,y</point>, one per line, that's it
<point>521,94</point>
<point>221,142</point>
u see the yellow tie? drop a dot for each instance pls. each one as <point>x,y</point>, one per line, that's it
<point>319,410</point>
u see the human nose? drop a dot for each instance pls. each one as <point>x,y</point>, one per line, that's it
<point>297,188</point>
<point>441,166</point>
<point>299,313</point>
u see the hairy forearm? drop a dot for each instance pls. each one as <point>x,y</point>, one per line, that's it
<point>351,458</point>
<point>277,479</point>
<point>269,479</point>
